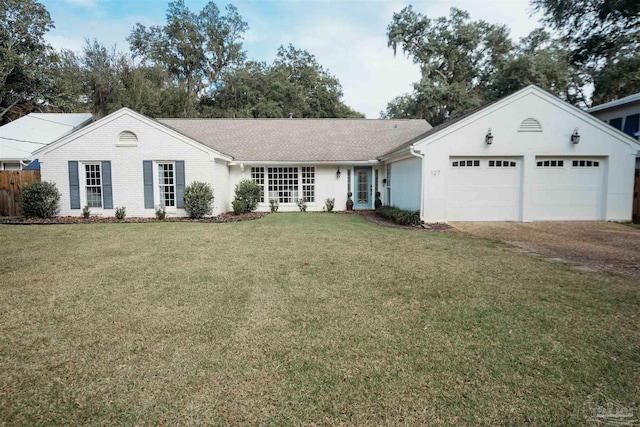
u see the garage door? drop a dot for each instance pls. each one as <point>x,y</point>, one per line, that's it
<point>568,188</point>
<point>484,189</point>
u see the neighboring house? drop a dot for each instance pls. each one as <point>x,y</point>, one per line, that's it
<point>623,114</point>
<point>21,137</point>
<point>527,157</point>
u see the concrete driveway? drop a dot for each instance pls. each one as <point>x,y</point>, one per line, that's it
<point>598,245</point>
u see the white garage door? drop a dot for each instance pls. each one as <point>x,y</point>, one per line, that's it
<point>568,188</point>
<point>484,189</point>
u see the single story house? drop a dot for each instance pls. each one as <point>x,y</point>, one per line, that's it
<point>527,157</point>
<point>21,137</point>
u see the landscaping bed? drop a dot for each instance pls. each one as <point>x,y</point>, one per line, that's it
<point>225,217</point>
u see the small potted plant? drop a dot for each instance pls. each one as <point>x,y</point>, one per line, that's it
<point>349,201</point>
<point>378,202</point>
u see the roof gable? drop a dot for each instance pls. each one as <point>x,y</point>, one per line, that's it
<point>140,117</point>
<point>452,125</point>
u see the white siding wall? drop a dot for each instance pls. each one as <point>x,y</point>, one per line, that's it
<point>126,165</point>
<point>406,185</point>
<point>558,124</point>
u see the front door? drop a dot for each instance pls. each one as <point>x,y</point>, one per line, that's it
<point>363,189</point>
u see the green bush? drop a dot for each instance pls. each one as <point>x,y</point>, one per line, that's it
<point>302,205</point>
<point>198,199</point>
<point>399,216</point>
<point>40,199</point>
<point>329,204</point>
<point>121,212</point>
<point>239,206</point>
<point>274,204</point>
<point>86,212</point>
<point>249,192</point>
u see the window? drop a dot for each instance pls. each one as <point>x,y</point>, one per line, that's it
<point>283,184</point>
<point>93,185</point>
<point>167,184</point>
<point>257,176</point>
<point>466,163</point>
<point>585,164</point>
<point>389,184</point>
<point>308,184</point>
<point>501,164</point>
<point>550,163</point>
<point>616,123</point>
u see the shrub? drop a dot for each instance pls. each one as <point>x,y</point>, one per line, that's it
<point>40,199</point>
<point>274,205</point>
<point>239,206</point>
<point>249,192</point>
<point>400,216</point>
<point>198,199</point>
<point>121,212</point>
<point>161,212</point>
<point>302,205</point>
<point>86,212</point>
<point>329,204</point>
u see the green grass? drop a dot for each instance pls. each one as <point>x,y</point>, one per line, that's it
<point>303,319</point>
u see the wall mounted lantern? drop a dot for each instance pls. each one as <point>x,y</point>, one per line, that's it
<point>488,137</point>
<point>338,173</point>
<point>575,136</point>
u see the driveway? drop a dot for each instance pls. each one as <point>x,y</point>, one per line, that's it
<point>599,245</point>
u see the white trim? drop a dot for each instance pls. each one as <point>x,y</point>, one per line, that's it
<point>268,163</point>
<point>617,103</point>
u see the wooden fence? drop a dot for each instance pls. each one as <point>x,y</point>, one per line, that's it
<point>636,197</point>
<point>11,183</point>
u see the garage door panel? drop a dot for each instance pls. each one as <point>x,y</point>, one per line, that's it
<point>484,193</point>
<point>568,192</point>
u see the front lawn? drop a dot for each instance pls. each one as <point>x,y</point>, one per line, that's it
<point>300,319</point>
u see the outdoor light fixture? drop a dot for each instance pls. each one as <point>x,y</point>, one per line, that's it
<point>489,138</point>
<point>338,173</point>
<point>575,136</point>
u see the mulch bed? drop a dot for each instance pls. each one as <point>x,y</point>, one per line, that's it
<point>225,217</point>
<point>436,226</point>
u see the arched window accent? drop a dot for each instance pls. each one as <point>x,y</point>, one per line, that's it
<point>127,138</point>
<point>530,125</point>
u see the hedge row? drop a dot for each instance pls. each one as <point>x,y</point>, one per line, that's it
<point>399,216</point>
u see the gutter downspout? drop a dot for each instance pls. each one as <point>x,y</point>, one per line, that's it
<point>421,157</point>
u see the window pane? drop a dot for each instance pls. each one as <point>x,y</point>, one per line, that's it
<point>167,188</point>
<point>93,185</point>
<point>283,184</point>
<point>257,176</point>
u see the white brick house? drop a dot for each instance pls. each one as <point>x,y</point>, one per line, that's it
<point>519,159</point>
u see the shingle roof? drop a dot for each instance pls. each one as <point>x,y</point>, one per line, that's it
<point>300,139</point>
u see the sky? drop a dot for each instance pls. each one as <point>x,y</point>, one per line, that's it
<point>347,37</point>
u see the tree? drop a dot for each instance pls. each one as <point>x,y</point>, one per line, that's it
<point>195,49</point>
<point>295,83</point>
<point>457,57</point>
<point>604,38</point>
<point>541,60</point>
<point>466,64</point>
<point>25,58</point>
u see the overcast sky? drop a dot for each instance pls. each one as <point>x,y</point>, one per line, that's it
<point>347,37</point>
